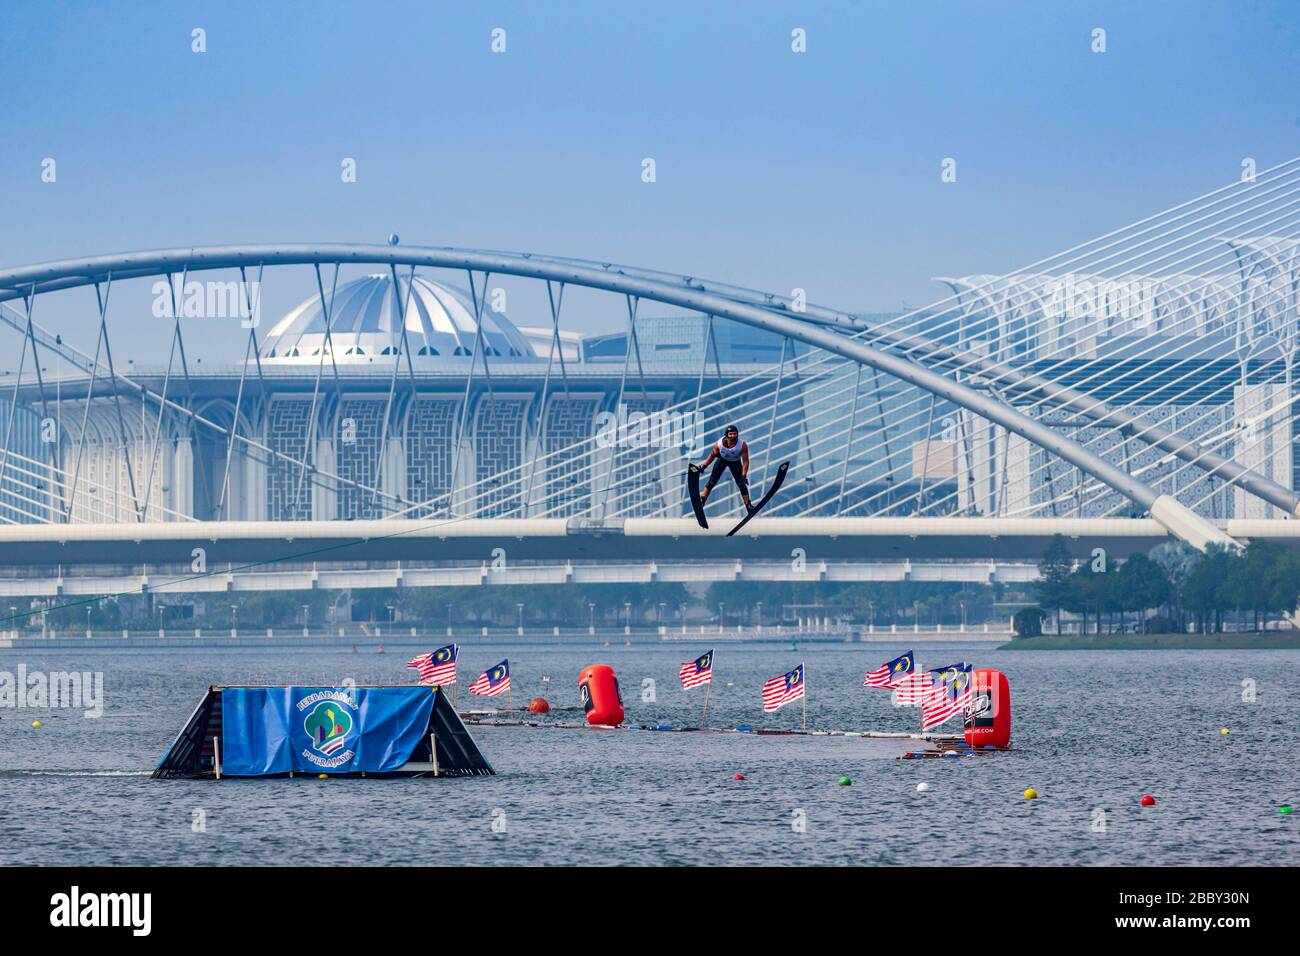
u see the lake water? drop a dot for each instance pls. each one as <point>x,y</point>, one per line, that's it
<point>1092,731</point>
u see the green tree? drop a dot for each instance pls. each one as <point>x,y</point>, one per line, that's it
<point>1141,585</point>
<point>1209,588</point>
<point>1052,589</point>
<point>1177,560</point>
<point>1085,594</point>
<point>1263,581</point>
<point>1028,622</point>
<point>1285,580</point>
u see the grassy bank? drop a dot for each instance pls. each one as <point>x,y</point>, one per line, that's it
<point>1145,642</point>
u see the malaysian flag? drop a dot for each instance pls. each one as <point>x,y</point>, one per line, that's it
<point>437,667</point>
<point>424,664</point>
<point>953,689</point>
<point>779,691</point>
<point>888,675</point>
<point>697,672</point>
<point>914,688</point>
<point>492,682</point>
<point>444,665</point>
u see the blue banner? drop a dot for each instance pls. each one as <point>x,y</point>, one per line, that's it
<point>268,730</point>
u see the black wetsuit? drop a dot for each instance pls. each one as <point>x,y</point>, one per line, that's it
<point>720,464</point>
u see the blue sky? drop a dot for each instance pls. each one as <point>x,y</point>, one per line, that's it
<point>775,170</point>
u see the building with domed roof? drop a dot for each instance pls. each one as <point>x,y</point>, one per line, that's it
<point>363,322</point>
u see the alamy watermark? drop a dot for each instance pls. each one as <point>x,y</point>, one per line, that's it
<point>661,429</point>
<point>56,690</point>
<point>210,300</point>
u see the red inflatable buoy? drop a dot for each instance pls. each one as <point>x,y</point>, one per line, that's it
<point>988,716</point>
<point>538,705</point>
<point>600,697</point>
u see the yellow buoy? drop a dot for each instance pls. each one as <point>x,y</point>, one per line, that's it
<point>36,723</point>
<point>321,777</point>
<point>1224,731</point>
<point>1031,794</point>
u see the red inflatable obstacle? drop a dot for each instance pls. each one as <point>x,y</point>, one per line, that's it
<point>600,697</point>
<point>988,716</point>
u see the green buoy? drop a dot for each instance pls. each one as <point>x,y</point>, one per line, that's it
<point>1285,808</point>
<point>846,782</point>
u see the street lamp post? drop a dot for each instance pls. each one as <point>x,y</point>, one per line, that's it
<point>722,616</point>
<point>449,620</point>
<point>519,628</point>
<point>627,617</point>
<point>591,617</point>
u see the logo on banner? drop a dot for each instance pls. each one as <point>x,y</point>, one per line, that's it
<point>979,712</point>
<point>329,721</point>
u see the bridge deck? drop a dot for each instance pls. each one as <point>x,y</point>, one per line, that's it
<point>579,539</point>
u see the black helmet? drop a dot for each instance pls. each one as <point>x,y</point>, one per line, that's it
<point>729,429</point>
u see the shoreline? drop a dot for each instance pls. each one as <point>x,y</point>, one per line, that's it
<point>1285,640</point>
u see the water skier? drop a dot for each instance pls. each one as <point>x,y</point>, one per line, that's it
<point>729,453</point>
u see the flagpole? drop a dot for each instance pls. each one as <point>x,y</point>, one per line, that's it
<point>707,687</point>
<point>804,675</point>
<point>920,711</point>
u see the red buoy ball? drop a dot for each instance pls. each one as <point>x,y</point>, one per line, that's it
<point>1147,800</point>
<point>739,776</point>
<point>538,705</point>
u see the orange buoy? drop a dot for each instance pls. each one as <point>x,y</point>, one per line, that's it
<point>538,705</point>
<point>600,697</point>
<point>988,716</point>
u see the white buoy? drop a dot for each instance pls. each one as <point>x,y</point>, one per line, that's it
<point>922,787</point>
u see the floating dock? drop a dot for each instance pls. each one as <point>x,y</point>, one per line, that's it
<point>488,718</point>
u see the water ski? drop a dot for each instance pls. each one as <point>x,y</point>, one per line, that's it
<point>776,484</point>
<point>693,485</point>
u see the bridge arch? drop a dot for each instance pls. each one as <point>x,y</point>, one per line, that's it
<point>776,316</point>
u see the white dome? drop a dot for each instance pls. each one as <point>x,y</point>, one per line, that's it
<point>363,325</point>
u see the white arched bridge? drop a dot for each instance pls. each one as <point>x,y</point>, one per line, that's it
<point>1134,389</point>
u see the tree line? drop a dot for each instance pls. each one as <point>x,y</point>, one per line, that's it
<point>571,605</point>
<point>1173,588</point>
